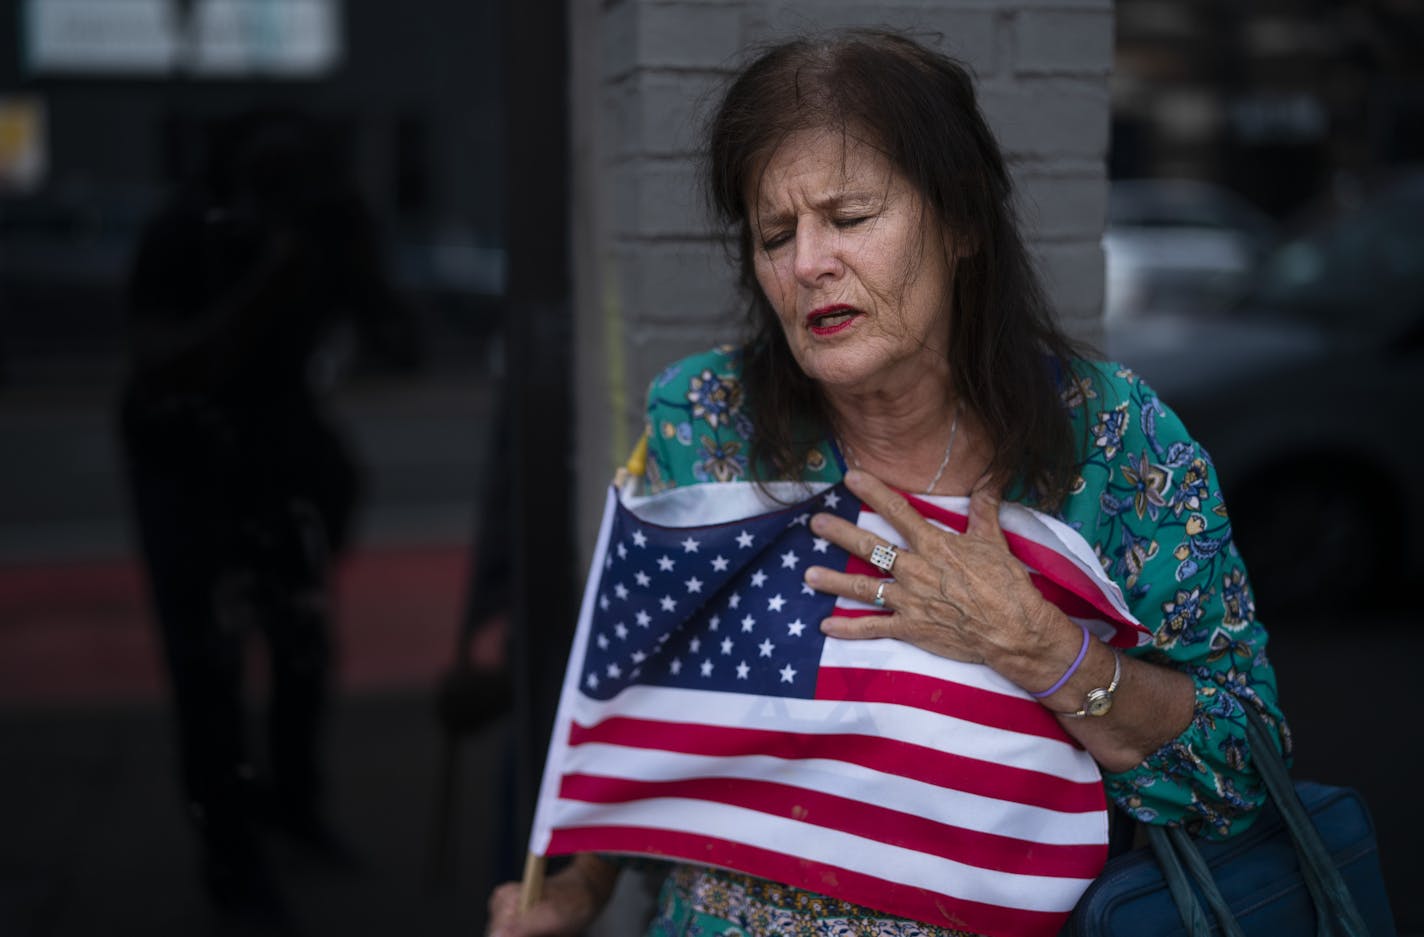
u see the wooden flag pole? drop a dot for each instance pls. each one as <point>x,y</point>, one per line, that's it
<point>532,888</point>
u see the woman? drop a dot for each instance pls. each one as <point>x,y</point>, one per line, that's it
<point>897,331</point>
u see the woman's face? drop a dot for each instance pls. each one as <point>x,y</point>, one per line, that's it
<point>853,263</point>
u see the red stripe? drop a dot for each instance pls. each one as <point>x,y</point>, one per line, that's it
<point>858,818</point>
<point>1068,602</point>
<point>879,894</point>
<point>889,756</point>
<point>984,707</point>
<point>1046,560</point>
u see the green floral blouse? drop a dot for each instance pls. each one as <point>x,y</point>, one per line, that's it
<point>1146,499</point>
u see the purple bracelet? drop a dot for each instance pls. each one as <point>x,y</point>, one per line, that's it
<point>1082,653</point>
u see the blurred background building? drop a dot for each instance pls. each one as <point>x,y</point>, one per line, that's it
<point>1223,195</point>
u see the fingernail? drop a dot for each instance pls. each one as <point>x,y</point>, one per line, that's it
<point>813,576</point>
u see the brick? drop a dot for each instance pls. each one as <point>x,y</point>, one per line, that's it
<point>663,113</point>
<point>1060,41</point>
<point>1072,276</point>
<point>1048,116</point>
<point>686,283</point>
<point>1059,206</point>
<point>658,198</point>
<point>671,35</point>
<point>967,35</point>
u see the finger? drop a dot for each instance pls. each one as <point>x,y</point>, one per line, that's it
<point>891,505</point>
<point>984,514</point>
<point>845,535</point>
<point>847,585</point>
<point>859,629</point>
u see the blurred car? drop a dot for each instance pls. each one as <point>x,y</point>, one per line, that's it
<point>1179,246</point>
<point>1307,396</point>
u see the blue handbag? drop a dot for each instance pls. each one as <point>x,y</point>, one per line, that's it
<point>1309,865</point>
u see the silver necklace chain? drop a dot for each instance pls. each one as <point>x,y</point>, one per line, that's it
<point>943,463</point>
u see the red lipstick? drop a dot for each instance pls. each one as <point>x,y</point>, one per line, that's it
<point>828,320</point>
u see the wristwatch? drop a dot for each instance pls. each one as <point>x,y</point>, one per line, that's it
<point>1099,702</point>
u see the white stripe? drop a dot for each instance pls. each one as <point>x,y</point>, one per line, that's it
<point>890,654</point>
<point>856,853</point>
<point>826,717</point>
<point>945,805</point>
<point>706,505</point>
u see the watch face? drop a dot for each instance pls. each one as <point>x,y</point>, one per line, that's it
<point>1098,703</point>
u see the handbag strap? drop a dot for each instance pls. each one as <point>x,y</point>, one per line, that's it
<point>1178,885</point>
<point>1196,865</point>
<point>1335,911</point>
<point>1335,908</point>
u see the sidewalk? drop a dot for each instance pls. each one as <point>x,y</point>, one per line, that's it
<point>94,841</point>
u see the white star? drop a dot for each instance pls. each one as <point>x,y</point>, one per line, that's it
<point>592,681</point>
<point>639,539</point>
<point>603,602</point>
<point>766,647</point>
<point>748,623</point>
<point>694,645</point>
<point>644,619</point>
<point>774,603</point>
<point>743,670</point>
<point>668,603</point>
<point>665,563</point>
<point>734,600</point>
<point>745,539</point>
<point>608,562</point>
<point>706,668</point>
<point>639,657</point>
<point>713,622</point>
<point>789,559</point>
<point>622,551</point>
<point>675,667</point>
<point>694,584</point>
<point>719,564</point>
<point>620,590</point>
<point>690,546</point>
<point>832,500</point>
<point>787,674</point>
<point>796,627</point>
<point>614,671</point>
<point>602,642</point>
<point>726,645</point>
<point>621,630</point>
<point>758,578</point>
<point>800,519</point>
<point>806,589</point>
<point>642,579</point>
<point>820,544</point>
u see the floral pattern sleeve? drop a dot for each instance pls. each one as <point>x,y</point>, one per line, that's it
<point>1148,501</point>
<point>698,430</point>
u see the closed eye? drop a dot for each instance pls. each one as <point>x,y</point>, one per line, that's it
<point>852,221</point>
<point>773,241</point>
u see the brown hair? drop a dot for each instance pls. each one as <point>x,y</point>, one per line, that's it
<point>918,107</point>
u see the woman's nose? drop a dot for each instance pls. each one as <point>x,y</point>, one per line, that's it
<point>816,256</point>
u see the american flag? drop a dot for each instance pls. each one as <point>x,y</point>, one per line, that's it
<point>705,718</point>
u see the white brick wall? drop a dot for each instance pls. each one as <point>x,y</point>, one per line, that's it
<point>651,284</point>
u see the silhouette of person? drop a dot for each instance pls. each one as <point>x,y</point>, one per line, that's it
<point>242,490</point>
